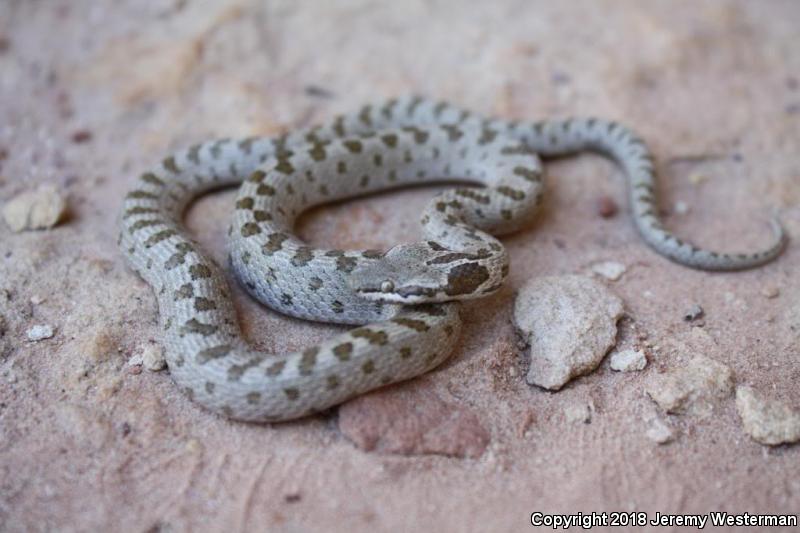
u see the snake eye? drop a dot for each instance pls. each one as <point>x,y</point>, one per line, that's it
<point>387,286</point>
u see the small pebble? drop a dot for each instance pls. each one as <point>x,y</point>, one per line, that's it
<point>607,207</point>
<point>40,332</point>
<point>37,299</point>
<point>153,358</point>
<point>660,432</point>
<point>770,291</point>
<point>579,413</point>
<point>681,207</point>
<point>610,270</point>
<point>194,446</point>
<point>628,361</point>
<point>697,178</point>
<point>37,209</point>
<point>694,312</point>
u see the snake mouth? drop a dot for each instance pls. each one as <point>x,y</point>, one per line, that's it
<point>410,294</point>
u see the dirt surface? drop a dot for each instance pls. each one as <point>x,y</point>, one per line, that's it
<point>92,93</point>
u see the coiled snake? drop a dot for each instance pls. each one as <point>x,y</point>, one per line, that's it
<point>405,299</point>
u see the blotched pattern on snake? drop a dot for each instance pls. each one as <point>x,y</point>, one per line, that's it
<point>405,299</point>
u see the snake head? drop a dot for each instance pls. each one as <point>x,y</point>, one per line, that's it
<point>421,272</point>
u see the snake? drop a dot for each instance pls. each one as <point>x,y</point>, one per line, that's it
<point>404,301</point>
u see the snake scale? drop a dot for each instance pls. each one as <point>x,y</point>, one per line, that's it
<point>404,300</point>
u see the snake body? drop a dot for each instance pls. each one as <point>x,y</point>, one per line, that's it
<point>404,298</point>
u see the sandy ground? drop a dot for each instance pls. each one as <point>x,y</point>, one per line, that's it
<point>91,93</point>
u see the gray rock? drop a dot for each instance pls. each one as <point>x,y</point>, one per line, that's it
<point>694,388</point>
<point>153,358</point>
<point>628,361</point>
<point>569,322</point>
<point>694,312</point>
<point>767,421</point>
<point>40,332</point>
<point>660,432</point>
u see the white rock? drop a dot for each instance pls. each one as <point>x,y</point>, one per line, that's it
<point>628,361</point>
<point>136,360</point>
<point>38,209</point>
<point>153,358</point>
<point>660,432</point>
<point>767,421</point>
<point>569,322</point>
<point>579,413</point>
<point>694,388</point>
<point>610,270</point>
<point>40,332</point>
<point>681,207</point>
